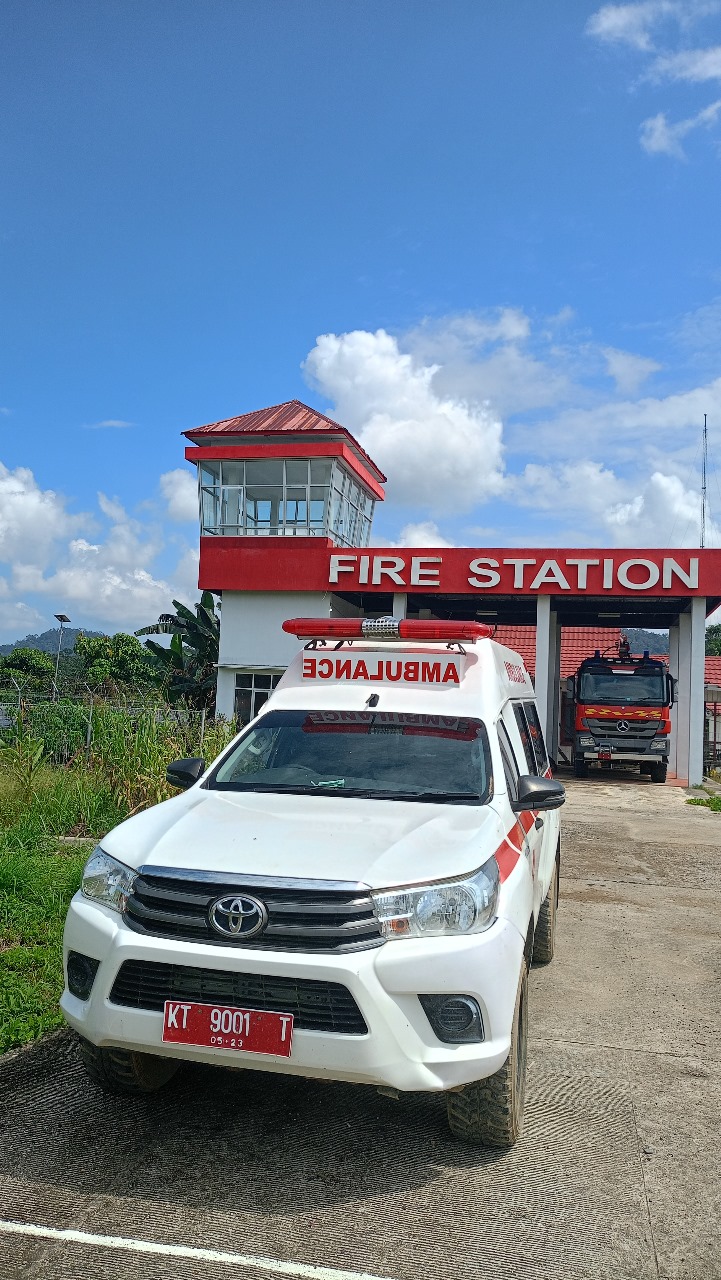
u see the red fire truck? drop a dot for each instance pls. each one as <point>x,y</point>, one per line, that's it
<point>621,712</point>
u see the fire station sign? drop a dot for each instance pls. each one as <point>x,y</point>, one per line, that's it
<point>284,564</point>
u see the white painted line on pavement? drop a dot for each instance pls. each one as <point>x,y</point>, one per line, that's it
<point>274,1265</point>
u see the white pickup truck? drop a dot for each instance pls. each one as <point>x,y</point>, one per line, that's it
<point>354,891</point>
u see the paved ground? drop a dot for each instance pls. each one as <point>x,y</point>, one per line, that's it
<point>617,1173</point>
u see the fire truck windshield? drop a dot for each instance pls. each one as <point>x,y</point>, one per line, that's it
<point>633,688</point>
<point>362,754</point>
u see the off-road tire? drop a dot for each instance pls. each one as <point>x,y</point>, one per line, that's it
<point>122,1071</point>
<point>489,1113</point>
<point>580,768</point>
<point>545,936</point>
<point>658,771</point>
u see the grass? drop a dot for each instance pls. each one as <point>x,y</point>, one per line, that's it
<point>40,869</point>
<point>35,889</point>
<point>711,801</point>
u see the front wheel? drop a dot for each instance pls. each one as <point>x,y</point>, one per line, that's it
<point>544,938</point>
<point>658,771</point>
<point>122,1071</point>
<point>489,1113</point>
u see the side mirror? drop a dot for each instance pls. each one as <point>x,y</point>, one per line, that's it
<point>571,686</point>
<point>671,690</point>
<point>538,793</point>
<point>184,773</point>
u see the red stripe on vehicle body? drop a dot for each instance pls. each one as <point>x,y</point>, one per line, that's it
<point>507,856</point>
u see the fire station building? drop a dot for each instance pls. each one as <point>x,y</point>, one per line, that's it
<point>287,498</point>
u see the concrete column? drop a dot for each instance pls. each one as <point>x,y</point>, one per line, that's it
<point>225,694</point>
<point>683,709</point>
<point>400,605</point>
<point>696,687</point>
<point>673,668</point>
<point>545,632</point>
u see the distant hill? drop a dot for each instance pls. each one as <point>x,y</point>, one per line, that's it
<point>639,640</point>
<point>47,641</point>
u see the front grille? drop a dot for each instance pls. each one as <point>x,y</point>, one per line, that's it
<point>299,919</point>
<point>637,729</point>
<point>316,1006</point>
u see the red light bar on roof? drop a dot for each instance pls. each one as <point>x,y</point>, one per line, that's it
<point>384,629</point>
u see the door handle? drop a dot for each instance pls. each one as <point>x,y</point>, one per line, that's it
<point>538,824</point>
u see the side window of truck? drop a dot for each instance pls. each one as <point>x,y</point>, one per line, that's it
<point>526,740</point>
<point>536,732</point>
<point>510,768</point>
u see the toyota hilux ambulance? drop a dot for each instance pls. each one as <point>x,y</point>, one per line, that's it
<point>353,891</point>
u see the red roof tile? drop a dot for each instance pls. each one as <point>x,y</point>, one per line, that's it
<point>292,416</point>
<point>713,670</point>
<point>577,643</point>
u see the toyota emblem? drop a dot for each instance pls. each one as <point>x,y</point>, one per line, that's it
<point>237,915</point>
<point>623,726</point>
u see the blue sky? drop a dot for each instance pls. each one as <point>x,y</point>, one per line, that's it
<point>484,236</point>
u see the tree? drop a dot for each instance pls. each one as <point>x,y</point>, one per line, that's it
<point>188,666</point>
<point>112,662</point>
<point>713,639</point>
<point>30,668</point>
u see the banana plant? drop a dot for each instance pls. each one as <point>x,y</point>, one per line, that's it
<point>189,664</point>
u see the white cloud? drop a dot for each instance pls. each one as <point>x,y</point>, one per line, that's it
<point>658,137</point>
<point>440,452</point>
<point>107,422</point>
<point>694,65</point>
<point>32,520</point>
<point>180,490</point>
<point>630,24</point>
<point>627,370</point>
<point>665,513</point>
<point>107,581</point>
<point>4,411</point>
<point>423,534</point>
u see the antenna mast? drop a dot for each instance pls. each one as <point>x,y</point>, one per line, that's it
<point>704,459</point>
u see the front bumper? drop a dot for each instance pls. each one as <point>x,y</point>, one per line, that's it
<point>400,1050</point>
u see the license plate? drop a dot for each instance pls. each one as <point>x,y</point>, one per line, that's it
<point>228,1027</point>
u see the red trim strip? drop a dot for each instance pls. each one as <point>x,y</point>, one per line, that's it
<point>507,857</point>
<point>302,449</point>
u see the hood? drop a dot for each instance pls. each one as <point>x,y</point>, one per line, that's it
<point>380,843</point>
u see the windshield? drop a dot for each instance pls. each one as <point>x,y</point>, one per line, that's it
<point>635,689</point>
<point>368,754</point>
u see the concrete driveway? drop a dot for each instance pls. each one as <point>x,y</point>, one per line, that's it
<point>617,1174</point>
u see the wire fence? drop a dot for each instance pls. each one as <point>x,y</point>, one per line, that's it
<point>71,730</point>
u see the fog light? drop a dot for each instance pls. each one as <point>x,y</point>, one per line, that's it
<point>81,974</point>
<point>454,1019</point>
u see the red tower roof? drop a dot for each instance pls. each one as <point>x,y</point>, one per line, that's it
<point>290,418</point>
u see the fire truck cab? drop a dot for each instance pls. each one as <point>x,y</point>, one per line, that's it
<point>621,713</point>
<point>353,891</point>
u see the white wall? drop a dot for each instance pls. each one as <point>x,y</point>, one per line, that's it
<point>251,634</point>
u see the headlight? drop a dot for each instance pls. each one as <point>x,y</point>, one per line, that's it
<point>586,742</point>
<point>447,909</point>
<point>107,882</point>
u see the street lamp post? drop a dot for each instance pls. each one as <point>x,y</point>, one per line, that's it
<point>63,619</point>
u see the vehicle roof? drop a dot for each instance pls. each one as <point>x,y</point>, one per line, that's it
<point>488,675</point>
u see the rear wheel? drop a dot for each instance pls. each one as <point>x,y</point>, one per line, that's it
<point>545,936</point>
<point>489,1113</point>
<point>580,767</point>
<point>122,1071</point>
<point>658,771</point>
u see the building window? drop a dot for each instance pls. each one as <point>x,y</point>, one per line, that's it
<point>252,690</point>
<point>298,497</point>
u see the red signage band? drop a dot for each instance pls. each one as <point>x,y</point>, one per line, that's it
<point>315,564</point>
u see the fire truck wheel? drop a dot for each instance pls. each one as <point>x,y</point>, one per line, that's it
<point>658,771</point>
<point>580,768</point>
<point>121,1071</point>
<point>545,936</point>
<point>489,1113</point>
